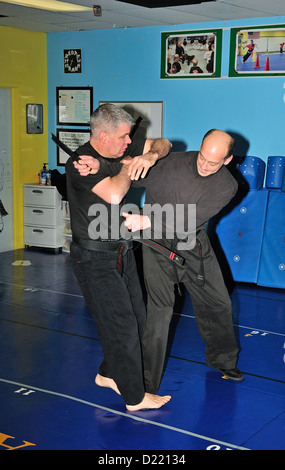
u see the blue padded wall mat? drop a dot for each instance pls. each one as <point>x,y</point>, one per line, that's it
<point>236,236</point>
<point>250,172</point>
<point>272,263</point>
<point>274,173</point>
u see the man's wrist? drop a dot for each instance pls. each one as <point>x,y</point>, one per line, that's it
<point>152,155</point>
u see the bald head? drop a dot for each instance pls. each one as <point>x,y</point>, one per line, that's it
<point>216,150</point>
<point>220,138</point>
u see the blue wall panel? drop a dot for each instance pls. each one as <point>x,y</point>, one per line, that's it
<point>249,172</point>
<point>274,173</point>
<point>239,236</point>
<point>272,265</point>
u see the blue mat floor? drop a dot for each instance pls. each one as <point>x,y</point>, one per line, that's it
<point>50,354</point>
<point>276,63</point>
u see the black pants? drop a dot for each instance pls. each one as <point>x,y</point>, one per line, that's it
<point>246,56</point>
<point>116,304</point>
<point>211,304</point>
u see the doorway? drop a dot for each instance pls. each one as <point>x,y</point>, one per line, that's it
<point>6,184</point>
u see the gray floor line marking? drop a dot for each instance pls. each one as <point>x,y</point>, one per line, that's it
<point>235,324</point>
<point>126,415</point>
<point>40,289</point>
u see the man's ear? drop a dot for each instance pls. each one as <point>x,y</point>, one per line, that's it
<point>228,160</point>
<point>103,136</point>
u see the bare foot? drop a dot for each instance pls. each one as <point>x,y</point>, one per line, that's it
<point>106,382</point>
<point>150,402</point>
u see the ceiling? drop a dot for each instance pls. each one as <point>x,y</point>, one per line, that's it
<point>119,14</point>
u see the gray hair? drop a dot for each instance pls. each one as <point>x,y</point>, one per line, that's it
<point>108,117</point>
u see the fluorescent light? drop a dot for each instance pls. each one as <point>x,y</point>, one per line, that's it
<point>51,5</point>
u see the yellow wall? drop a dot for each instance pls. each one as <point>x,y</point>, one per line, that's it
<point>24,70</point>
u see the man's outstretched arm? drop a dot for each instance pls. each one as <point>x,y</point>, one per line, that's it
<point>154,149</point>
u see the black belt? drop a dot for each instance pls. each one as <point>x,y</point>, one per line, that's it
<point>115,246</point>
<point>170,254</point>
<point>111,246</point>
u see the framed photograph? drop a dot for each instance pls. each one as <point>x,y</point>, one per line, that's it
<point>257,51</point>
<point>72,138</point>
<point>191,54</point>
<point>74,105</point>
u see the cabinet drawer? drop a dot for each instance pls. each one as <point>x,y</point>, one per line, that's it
<point>41,196</point>
<point>41,216</point>
<point>42,236</point>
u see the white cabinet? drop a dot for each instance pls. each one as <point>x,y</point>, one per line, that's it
<point>42,216</point>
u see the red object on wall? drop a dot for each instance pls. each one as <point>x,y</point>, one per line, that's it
<point>97,10</point>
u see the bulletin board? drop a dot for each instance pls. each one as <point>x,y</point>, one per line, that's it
<point>74,105</point>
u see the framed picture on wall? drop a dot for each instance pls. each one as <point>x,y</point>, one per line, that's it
<point>257,51</point>
<point>72,138</point>
<point>74,105</point>
<point>191,54</point>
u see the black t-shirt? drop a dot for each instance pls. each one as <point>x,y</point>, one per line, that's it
<point>89,214</point>
<point>175,180</point>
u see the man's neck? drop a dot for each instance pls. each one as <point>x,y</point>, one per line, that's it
<point>96,144</point>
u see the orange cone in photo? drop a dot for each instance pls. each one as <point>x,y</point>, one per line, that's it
<point>266,68</point>
<point>257,66</point>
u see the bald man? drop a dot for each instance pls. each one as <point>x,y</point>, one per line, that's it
<point>198,178</point>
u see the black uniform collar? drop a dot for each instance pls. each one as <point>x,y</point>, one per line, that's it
<point>107,159</point>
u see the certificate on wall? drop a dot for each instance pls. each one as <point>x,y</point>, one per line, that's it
<point>72,138</point>
<point>74,105</point>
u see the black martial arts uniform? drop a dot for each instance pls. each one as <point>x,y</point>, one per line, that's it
<point>175,180</point>
<point>106,272</point>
